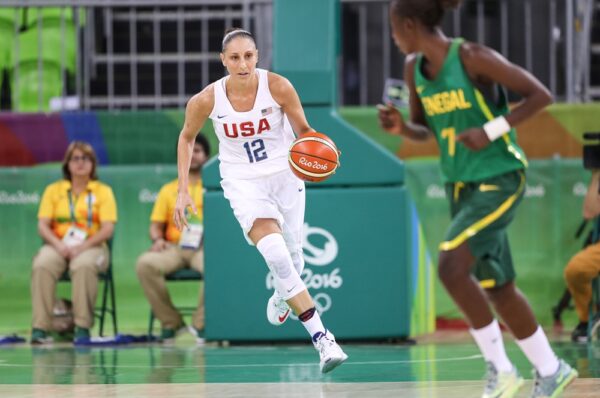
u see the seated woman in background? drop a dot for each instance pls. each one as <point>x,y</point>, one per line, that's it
<point>77,216</point>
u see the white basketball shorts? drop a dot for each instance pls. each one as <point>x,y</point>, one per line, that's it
<point>280,196</point>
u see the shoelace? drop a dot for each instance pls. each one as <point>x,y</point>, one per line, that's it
<point>323,343</point>
<point>537,384</point>
<point>491,377</point>
<point>281,305</point>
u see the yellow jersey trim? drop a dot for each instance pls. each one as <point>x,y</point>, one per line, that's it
<point>485,221</point>
<point>490,116</point>
<point>487,283</point>
<point>488,187</point>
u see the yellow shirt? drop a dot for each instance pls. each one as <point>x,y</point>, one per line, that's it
<point>55,205</point>
<point>164,207</point>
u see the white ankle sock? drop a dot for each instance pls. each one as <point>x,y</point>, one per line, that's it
<point>314,325</point>
<point>489,341</point>
<point>537,349</point>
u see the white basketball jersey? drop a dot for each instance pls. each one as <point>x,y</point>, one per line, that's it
<point>254,143</point>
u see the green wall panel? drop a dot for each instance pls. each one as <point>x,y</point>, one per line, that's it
<point>363,267</point>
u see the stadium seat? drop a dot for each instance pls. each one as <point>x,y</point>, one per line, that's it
<point>8,18</point>
<point>108,293</point>
<point>26,80</point>
<point>56,46</point>
<point>182,275</point>
<point>51,16</point>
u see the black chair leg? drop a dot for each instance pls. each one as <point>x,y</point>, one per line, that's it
<point>103,308</point>
<point>151,325</point>
<point>113,306</point>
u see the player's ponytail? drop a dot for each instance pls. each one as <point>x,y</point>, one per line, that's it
<point>429,12</point>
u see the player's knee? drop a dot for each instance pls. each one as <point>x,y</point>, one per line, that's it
<point>450,270</point>
<point>279,264</point>
<point>295,249</point>
<point>273,249</point>
<point>275,252</point>
<point>499,295</point>
<point>297,260</point>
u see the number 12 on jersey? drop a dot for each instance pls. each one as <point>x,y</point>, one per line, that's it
<point>256,150</point>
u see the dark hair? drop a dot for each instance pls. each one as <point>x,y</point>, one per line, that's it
<point>429,12</point>
<point>203,142</point>
<point>232,33</point>
<point>87,151</point>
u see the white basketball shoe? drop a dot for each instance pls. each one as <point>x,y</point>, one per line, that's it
<point>278,311</point>
<point>330,352</point>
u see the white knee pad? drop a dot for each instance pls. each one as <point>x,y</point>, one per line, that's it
<point>275,252</point>
<point>295,249</point>
<point>298,260</point>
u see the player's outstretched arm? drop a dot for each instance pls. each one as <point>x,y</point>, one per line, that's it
<point>286,96</point>
<point>197,111</point>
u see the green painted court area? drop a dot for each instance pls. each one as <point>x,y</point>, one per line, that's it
<point>187,370</point>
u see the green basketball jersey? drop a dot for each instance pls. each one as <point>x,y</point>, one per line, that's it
<point>452,104</point>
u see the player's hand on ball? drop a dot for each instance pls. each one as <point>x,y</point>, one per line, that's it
<point>390,119</point>
<point>184,200</point>
<point>475,139</point>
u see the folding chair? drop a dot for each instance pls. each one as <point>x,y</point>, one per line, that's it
<point>108,293</point>
<point>182,275</point>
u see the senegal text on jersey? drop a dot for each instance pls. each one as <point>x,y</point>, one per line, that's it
<point>445,102</point>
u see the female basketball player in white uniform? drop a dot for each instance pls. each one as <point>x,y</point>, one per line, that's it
<point>248,109</point>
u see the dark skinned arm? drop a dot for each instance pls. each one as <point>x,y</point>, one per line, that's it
<point>486,67</point>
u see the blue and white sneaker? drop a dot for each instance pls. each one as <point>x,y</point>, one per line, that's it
<point>330,352</point>
<point>501,384</point>
<point>552,386</point>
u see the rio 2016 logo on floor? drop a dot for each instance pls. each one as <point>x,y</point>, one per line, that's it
<point>320,250</point>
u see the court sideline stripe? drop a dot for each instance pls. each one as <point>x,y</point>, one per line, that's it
<point>255,365</point>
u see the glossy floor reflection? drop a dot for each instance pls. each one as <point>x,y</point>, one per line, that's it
<point>433,370</point>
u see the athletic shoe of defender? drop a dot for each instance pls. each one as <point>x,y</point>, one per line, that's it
<point>553,385</point>
<point>278,311</point>
<point>501,384</point>
<point>330,352</point>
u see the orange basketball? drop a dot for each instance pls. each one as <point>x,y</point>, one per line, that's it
<point>314,157</point>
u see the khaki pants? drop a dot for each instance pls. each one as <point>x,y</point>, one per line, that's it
<point>48,266</point>
<point>581,270</point>
<point>151,269</point>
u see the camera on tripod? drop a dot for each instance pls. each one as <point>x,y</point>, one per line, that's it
<point>591,151</point>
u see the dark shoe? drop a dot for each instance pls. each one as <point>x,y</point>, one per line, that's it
<point>580,333</point>
<point>39,336</point>
<point>81,334</point>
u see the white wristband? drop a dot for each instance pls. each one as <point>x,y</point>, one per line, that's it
<point>496,128</point>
